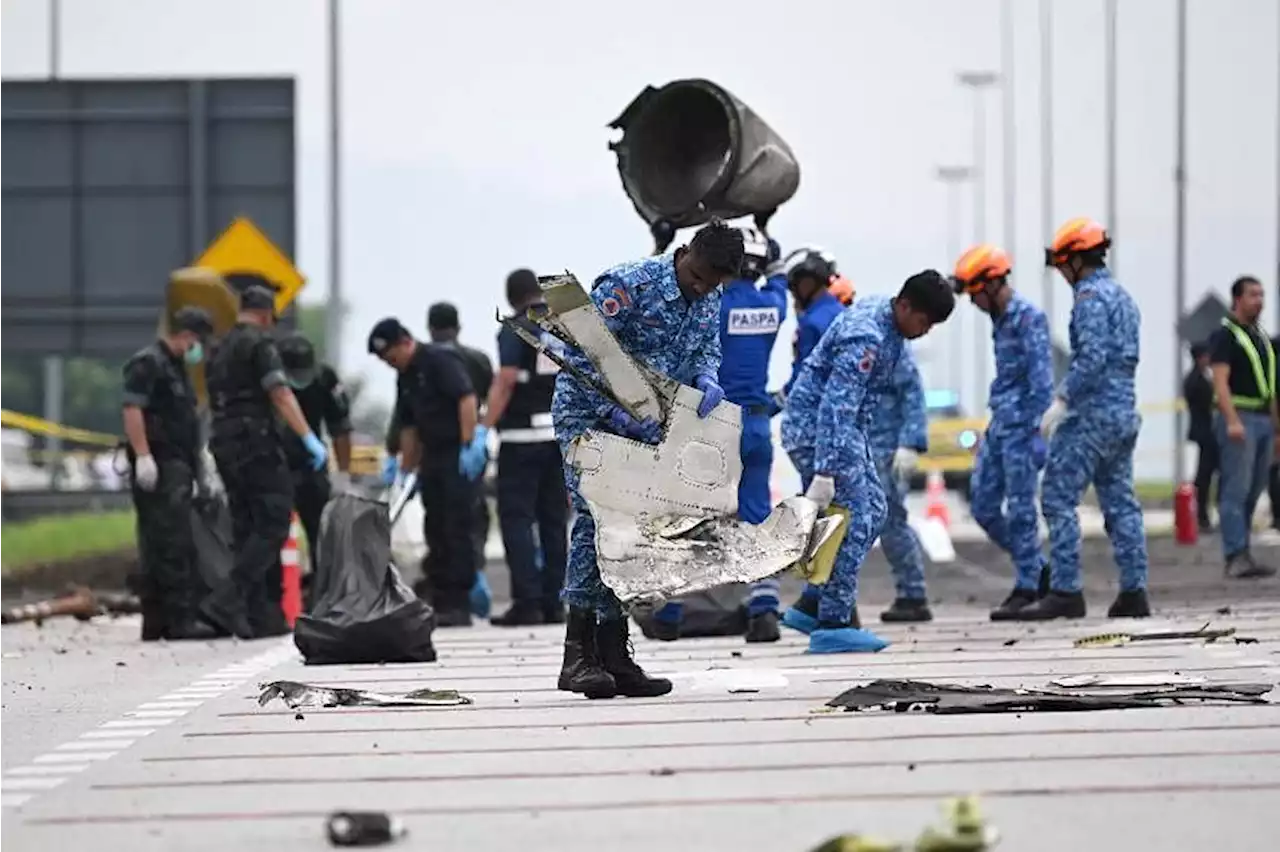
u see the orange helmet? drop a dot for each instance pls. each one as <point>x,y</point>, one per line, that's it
<point>1078,235</point>
<point>842,288</point>
<point>980,264</point>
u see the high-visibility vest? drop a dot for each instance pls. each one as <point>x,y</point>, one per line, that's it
<point>1266,380</point>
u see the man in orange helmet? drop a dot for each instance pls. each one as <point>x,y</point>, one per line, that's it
<point>1012,451</point>
<point>1092,428</point>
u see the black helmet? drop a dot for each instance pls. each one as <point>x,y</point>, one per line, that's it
<point>299,358</point>
<point>192,319</point>
<point>814,266</point>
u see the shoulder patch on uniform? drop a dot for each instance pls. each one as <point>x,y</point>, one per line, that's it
<point>610,307</point>
<point>622,295</point>
<point>868,360</point>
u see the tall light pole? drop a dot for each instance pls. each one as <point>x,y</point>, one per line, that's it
<point>953,178</point>
<point>1180,234</point>
<point>979,82</point>
<point>1010,135</point>
<point>54,391</point>
<point>1112,218</point>
<point>333,314</point>
<point>1046,153</point>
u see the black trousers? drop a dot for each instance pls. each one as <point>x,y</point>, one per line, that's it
<point>448,499</point>
<point>311,491</point>
<point>531,492</point>
<point>480,522</point>
<point>260,497</point>
<point>1206,467</point>
<point>166,548</point>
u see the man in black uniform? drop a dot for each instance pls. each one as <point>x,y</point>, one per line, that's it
<point>324,405</point>
<point>441,440</point>
<point>443,327</point>
<point>163,443</point>
<point>531,488</point>
<point>248,389</point>
<point>1197,390</point>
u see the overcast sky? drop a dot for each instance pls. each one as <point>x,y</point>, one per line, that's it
<point>474,137</point>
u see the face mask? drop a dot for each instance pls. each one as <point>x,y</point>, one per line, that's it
<point>195,354</point>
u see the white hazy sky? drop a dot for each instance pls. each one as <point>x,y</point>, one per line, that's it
<point>474,137</point>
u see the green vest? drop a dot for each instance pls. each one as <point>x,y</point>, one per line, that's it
<point>1266,380</point>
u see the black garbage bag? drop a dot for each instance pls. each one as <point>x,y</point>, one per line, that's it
<point>714,612</point>
<point>215,553</point>
<point>690,150</point>
<point>363,611</point>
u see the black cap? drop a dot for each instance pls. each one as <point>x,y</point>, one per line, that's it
<point>193,319</point>
<point>442,315</point>
<point>296,352</point>
<point>522,285</point>
<point>386,333</point>
<point>255,297</point>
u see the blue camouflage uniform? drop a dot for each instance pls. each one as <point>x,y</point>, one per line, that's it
<point>811,324</point>
<point>826,428</point>
<point>1095,441</point>
<point>900,422</point>
<point>749,322</point>
<point>643,307</point>
<point>1012,451</point>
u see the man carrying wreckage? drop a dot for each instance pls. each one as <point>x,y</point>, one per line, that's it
<point>664,311</point>
<point>1012,451</point>
<point>825,431</point>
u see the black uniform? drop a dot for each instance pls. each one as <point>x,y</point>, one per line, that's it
<point>531,489</point>
<point>155,380</point>
<point>427,395</point>
<point>324,404</point>
<point>1197,390</point>
<point>246,443</point>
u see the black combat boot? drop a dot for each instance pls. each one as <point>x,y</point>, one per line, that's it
<point>1130,604</point>
<point>192,629</point>
<point>1053,605</point>
<point>907,610</point>
<point>614,641</point>
<point>582,671</point>
<point>763,627</point>
<point>553,613</point>
<point>1018,600</point>
<point>520,615</point>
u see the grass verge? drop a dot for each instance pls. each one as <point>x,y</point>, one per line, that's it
<point>26,544</point>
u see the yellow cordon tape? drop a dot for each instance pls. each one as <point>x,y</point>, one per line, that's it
<point>39,426</point>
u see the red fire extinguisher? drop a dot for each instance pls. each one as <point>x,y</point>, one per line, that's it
<point>1186,528</point>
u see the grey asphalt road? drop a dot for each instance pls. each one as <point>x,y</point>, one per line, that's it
<point>172,751</point>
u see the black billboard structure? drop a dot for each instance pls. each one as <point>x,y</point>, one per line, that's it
<point>108,185</point>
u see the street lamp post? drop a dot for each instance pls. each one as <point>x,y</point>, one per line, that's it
<point>953,178</point>
<point>1180,233</point>
<point>979,82</point>
<point>333,314</point>
<point>1046,153</point>
<point>1112,224</point>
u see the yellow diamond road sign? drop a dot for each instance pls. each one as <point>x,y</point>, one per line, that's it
<point>243,249</point>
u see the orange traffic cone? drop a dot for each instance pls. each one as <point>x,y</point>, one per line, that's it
<point>935,493</point>
<point>291,575</point>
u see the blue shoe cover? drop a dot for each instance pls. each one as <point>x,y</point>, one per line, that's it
<point>670,612</point>
<point>845,640</point>
<point>481,597</point>
<point>797,620</point>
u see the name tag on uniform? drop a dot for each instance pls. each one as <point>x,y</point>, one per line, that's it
<point>545,366</point>
<point>753,321</point>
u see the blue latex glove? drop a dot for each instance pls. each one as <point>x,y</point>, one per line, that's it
<point>646,430</point>
<point>319,455</point>
<point>1039,452</point>
<point>390,470</point>
<point>472,457</point>
<point>712,394</point>
<point>481,597</point>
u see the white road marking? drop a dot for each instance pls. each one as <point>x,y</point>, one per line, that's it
<point>14,800</point>
<point>8,784</point>
<point>63,769</point>
<point>96,745</point>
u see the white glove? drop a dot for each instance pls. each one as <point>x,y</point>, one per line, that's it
<point>210,481</point>
<point>145,473</point>
<point>822,491</point>
<point>1053,417</point>
<point>340,481</point>
<point>905,460</point>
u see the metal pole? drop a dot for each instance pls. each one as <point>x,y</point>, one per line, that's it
<point>1277,55</point>
<point>952,177</point>
<point>1010,134</point>
<point>55,37</point>
<point>334,311</point>
<point>53,396</point>
<point>1112,218</point>
<point>1046,152</point>
<point>979,235</point>
<point>1180,231</point>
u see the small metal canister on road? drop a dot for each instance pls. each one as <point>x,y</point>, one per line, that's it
<point>363,828</point>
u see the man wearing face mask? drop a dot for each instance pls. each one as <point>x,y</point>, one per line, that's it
<point>1092,427</point>
<point>1244,383</point>
<point>324,405</point>
<point>248,390</point>
<point>665,312</point>
<point>162,430</point>
<point>826,431</point>
<point>1012,451</point>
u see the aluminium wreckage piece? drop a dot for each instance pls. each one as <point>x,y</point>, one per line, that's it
<point>665,514</point>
